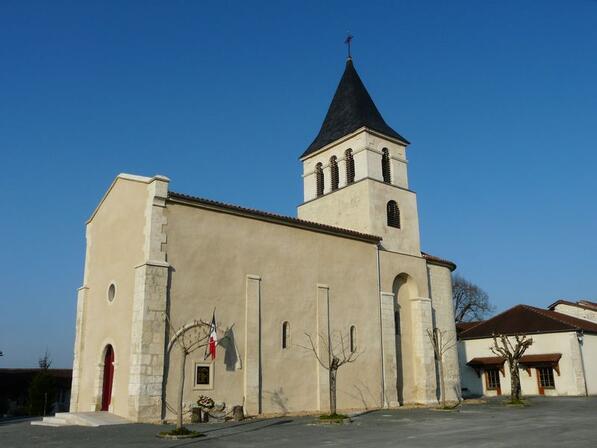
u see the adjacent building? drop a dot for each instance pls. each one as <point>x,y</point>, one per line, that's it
<point>561,361</point>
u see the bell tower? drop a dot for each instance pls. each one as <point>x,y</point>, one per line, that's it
<point>355,171</point>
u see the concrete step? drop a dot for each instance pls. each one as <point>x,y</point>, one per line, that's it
<point>82,419</point>
<point>50,421</point>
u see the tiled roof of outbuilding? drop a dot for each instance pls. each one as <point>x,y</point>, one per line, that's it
<point>525,319</point>
<point>352,108</point>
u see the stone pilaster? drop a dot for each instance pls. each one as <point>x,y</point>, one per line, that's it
<point>148,326</point>
<point>423,359</point>
<point>252,374</point>
<point>440,282</point>
<point>388,335</point>
<point>148,334</point>
<point>323,331</point>
<point>79,347</point>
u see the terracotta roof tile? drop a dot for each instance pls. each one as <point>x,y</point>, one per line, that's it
<point>525,319</point>
<point>438,260</point>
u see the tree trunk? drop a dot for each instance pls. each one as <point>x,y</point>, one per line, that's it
<point>183,362</point>
<point>442,382</point>
<point>514,382</point>
<point>333,373</point>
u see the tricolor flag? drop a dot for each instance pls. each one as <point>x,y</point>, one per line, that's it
<point>210,350</point>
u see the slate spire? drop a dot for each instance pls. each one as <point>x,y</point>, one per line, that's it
<point>351,109</point>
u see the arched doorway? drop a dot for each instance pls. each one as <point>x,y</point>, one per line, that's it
<point>404,289</point>
<point>108,378</point>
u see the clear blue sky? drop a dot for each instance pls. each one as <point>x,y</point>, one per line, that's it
<point>499,100</point>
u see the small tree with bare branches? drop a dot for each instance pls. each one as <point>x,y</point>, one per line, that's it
<point>441,341</point>
<point>337,354</point>
<point>189,337</point>
<point>512,352</point>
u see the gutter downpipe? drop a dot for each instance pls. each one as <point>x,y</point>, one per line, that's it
<point>580,338</point>
<point>383,367</point>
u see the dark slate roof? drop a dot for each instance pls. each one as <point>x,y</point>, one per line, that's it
<point>351,109</point>
<point>525,319</point>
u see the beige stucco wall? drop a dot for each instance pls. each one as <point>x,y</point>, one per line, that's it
<point>362,207</point>
<point>576,311</point>
<point>212,253</point>
<point>569,382</point>
<point>115,243</point>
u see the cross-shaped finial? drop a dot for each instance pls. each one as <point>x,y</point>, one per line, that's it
<point>347,42</point>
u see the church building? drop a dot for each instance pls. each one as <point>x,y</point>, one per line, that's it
<point>348,269</point>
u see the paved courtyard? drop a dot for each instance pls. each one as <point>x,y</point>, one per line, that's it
<point>547,422</point>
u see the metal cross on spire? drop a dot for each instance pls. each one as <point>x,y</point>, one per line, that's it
<point>347,42</point>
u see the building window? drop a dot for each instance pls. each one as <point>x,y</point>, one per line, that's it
<point>349,167</point>
<point>385,166</point>
<point>353,339</point>
<point>319,179</point>
<point>285,335</point>
<point>492,377</point>
<point>334,169</point>
<point>546,380</point>
<point>111,292</point>
<point>393,214</point>
<point>204,375</point>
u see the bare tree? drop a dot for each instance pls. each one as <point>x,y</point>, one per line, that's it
<point>470,301</point>
<point>336,355</point>
<point>188,337</point>
<point>442,341</point>
<point>512,352</point>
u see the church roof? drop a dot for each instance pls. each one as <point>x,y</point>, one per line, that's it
<point>273,217</point>
<point>525,319</point>
<point>352,108</point>
<point>291,221</point>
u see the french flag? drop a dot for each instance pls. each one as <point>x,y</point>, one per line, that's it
<point>213,339</point>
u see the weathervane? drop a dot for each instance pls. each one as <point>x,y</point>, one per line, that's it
<point>347,42</point>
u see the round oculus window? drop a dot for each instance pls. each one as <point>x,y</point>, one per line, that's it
<point>111,292</point>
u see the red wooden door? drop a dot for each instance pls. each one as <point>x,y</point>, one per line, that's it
<point>108,378</point>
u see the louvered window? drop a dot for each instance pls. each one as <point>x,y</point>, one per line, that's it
<point>334,169</point>
<point>385,166</point>
<point>393,214</point>
<point>319,179</point>
<point>349,167</point>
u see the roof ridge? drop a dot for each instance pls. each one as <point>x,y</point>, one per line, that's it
<point>572,320</point>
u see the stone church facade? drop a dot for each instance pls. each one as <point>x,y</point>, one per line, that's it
<point>349,266</point>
